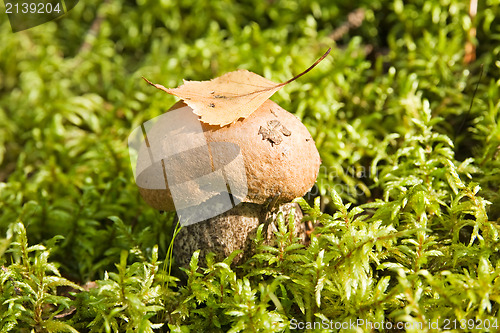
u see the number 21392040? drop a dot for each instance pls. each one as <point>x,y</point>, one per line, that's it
<point>32,8</point>
<point>472,324</point>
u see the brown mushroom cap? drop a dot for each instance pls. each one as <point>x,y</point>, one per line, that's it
<point>280,157</point>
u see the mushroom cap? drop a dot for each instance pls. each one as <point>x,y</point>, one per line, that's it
<point>280,158</point>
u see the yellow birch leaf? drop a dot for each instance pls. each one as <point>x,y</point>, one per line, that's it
<point>224,100</point>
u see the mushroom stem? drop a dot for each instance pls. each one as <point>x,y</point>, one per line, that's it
<point>233,230</point>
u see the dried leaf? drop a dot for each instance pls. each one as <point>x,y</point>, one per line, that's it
<point>223,100</point>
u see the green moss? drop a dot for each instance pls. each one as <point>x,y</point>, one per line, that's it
<point>406,208</point>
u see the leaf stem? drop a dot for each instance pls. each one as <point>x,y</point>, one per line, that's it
<point>307,70</point>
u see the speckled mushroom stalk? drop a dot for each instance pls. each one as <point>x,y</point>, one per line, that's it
<point>281,163</point>
<point>233,230</point>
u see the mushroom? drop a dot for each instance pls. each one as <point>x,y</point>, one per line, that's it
<point>265,160</point>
